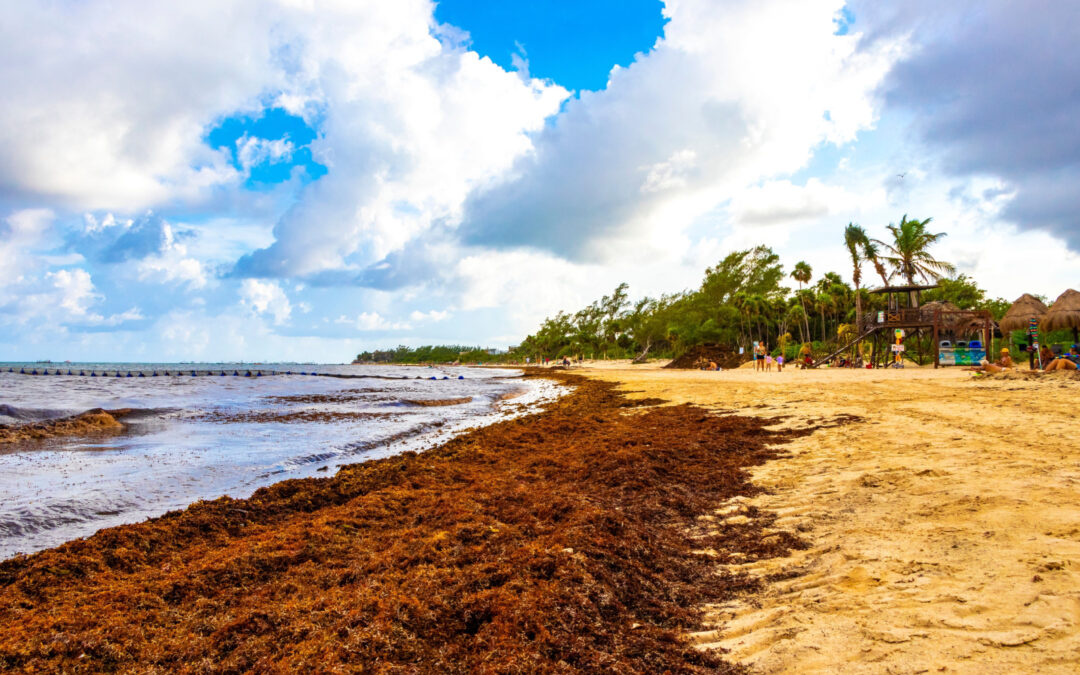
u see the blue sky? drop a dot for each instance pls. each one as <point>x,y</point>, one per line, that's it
<point>573,43</point>
<point>306,181</point>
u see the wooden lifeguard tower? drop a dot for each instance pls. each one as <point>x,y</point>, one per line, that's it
<point>903,311</point>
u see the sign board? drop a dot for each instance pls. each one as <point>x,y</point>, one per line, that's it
<point>899,333</point>
<point>898,348</point>
<point>961,357</point>
<point>881,317</point>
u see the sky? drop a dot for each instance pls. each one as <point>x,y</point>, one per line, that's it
<point>304,180</point>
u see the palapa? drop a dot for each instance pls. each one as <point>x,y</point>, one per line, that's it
<point>1020,314</point>
<point>1064,314</point>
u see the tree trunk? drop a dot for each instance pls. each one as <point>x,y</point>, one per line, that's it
<point>641,356</point>
<point>858,311</point>
<point>823,324</point>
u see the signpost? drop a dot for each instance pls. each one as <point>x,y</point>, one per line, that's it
<point>898,348</point>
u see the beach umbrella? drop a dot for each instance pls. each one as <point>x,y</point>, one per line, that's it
<point>1020,314</point>
<point>1063,314</point>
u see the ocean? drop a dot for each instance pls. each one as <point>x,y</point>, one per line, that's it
<point>190,438</point>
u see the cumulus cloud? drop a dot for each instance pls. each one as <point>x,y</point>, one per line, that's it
<point>109,101</point>
<point>173,268</point>
<point>735,92</point>
<point>372,321</point>
<point>20,233</point>
<point>252,151</point>
<point>411,124</point>
<point>991,86</point>
<point>75,291</point>
<point>433,315</point>
<point>266,298</point>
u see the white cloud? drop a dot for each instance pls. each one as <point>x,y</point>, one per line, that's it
<point>736,93</point>
<point>457,185</point>
<point>782,202</point>
<point>20,233</point>
<point>252,151</point>
<point>67,297</point>
<point>75,291</point>
<point>265,297</point>
<point>173,268</point>
<point>372,321</point>
<point>172,265</point>
<point>433,315</point>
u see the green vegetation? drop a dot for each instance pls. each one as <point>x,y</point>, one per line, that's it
<point>432,354</point>
<point>741,300</point>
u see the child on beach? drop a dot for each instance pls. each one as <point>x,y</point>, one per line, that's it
<point>768,363</point>
<point>780,363</point>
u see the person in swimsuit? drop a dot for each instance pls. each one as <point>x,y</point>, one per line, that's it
<point>1070,361</point>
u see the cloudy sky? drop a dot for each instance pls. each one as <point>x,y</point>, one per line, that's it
<point>305,179</point>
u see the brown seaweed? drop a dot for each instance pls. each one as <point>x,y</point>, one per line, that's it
<point>558,542</point>
<point>94,421</point>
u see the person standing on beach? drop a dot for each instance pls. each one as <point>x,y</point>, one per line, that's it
<point>768,362</point>
<point>780,363</point>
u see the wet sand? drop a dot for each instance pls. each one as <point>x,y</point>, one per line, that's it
<point>943,524</point>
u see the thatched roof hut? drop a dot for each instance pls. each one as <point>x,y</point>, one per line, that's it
<point>1064,314</point>
<point>1021,312</point>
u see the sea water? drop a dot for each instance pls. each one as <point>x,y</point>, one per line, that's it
<point>191,438</point>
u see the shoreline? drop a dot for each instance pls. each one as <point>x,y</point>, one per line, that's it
<point>566,539</point>
<point>651,519</point>
<point>65,478</point>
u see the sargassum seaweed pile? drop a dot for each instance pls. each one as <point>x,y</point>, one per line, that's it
<point>559,542</point>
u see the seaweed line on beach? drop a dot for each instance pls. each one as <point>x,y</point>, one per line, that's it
<point>559,542</point>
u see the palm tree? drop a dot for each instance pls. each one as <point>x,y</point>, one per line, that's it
<point>909,255</point>
<point>872,253</point>
<point>822,302</point>
<point>802,273</point>
<point>796,315</point>
<point>856,240</point>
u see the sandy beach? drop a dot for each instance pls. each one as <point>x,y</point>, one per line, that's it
<point>652,520</point>
<point>943,524</point>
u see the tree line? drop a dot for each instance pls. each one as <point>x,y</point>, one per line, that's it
<point>746,297</point>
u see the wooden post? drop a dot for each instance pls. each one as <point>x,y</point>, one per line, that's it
<point>937,342</point>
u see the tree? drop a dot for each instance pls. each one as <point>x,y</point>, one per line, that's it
<point>802,274</point>
<point>822,302</point>
<point>909,253</point>
<point>856,240</point>
<point>797,316</point>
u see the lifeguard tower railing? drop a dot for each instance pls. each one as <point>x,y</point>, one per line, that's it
<point>880,327</point>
